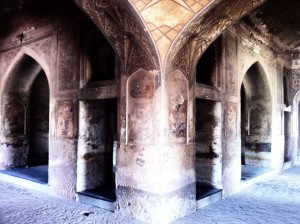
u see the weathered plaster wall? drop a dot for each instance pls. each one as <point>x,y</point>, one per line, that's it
<point>15,107</point>
<point>239,48</point>
<point>162,149</point>
<point>208,143</point>
<point>97,132</point>
<point>55,50</point>
<point>231,140</point>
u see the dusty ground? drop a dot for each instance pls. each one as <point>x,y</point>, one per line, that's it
<point>276,201</point>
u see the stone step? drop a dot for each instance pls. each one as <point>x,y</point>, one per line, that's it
<point>102,197</point>
<point>207,195</point>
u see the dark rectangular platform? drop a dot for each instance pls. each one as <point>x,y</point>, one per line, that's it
<point>103,193</point>
<point>102,197</point>
<point>38,174</point>
<point>250,172</point>
<point>206,195</point>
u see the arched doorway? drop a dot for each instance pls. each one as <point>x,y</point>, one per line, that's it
<point>25,121</point>
<point>256,118</point>
<point>97,140</point>
<point>288,146</point>
<point>39,122</point>
<point>208,131</point>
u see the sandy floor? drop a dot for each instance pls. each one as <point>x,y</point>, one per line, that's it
<point>276,201</point>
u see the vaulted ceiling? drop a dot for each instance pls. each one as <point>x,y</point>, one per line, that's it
<point>278,21</point>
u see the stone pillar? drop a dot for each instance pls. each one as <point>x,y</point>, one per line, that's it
<point>231,150</point>
<point>64,114</point>
<point>231,143</point>
<point>97,119</point>
<point>288,137</point>
<point>155,175</point>
<point>63,151</point>
<point>14,140</point>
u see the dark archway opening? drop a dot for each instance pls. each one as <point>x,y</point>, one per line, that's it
<point>208,148</point>
<point>288,147</point>
<point>256,113</point>
<point>39,122</point>
<point>98,138</point>
<point>206,66</point>
<point>287,137</point>
<point>243,127</point>
<point>99,58</point>
<point>96,149</point>
<point>25,122</point>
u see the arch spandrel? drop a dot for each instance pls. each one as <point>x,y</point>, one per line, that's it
<point>204,28</point>
<point>123,28</point>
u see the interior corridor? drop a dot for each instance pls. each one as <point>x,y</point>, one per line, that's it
<point>275,200</point>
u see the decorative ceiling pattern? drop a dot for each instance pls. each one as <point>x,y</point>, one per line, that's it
<point>166,18</point>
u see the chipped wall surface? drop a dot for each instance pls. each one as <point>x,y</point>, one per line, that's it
<point>68,65</point>
<point>140,104</point>
<point>62,167</point>
<point>168,129</point>
<point>97,132</point>
<point>65,119</point>
<point>178,96</point>
<point>208,143</point>
<point>157,208</point>
<point>231,65</point>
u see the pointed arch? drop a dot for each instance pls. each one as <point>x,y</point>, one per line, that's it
<point>256,117</point>
<point>23,53</point>
<point>15,103</point>
<point>203,29</point>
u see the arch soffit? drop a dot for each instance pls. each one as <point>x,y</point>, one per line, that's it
<point>257,63</point>
<point>262,70</point>
<point>204,28</point>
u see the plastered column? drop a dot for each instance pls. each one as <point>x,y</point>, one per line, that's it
<point>155,166</point>
<point>64,115</point>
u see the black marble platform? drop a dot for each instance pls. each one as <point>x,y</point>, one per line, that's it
<point>106,193</point>
<point>38,174</point>
<point>205,191</point>
<point>250,172</point>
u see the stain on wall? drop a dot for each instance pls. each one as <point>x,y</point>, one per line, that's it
<point>97,133</point>
<point>14,119</point>
<point>259,120</point>
<point>208,142</point>
<point>230,120</point>
<point>68,58</point>
<point>178,99</point>
<point>140,104</point>
<point>231,65</point>
<point>65,119</point>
